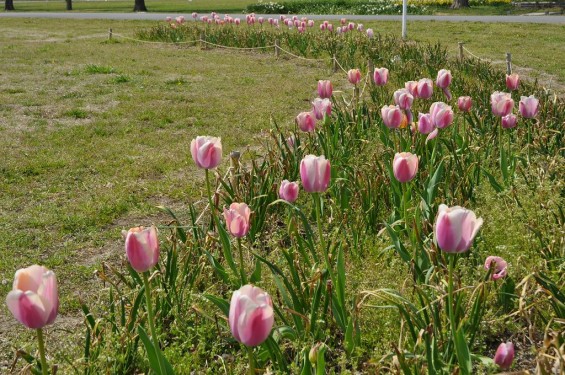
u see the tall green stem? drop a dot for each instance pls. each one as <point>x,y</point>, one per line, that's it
<point>212,206</point>
<point>452,322</point>
<point>42,351</point>
<point>151,319</point>
<point>251,360</point>
<point>318,203</point>
<point>241,266</point>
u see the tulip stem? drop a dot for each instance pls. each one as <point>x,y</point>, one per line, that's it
<point>42,351</point>
<point>452,258</point>
<point>151,318</point>
<point>318,203</point>
<point>241,268</point>
<point>212,206</point>
<point>251,360</point>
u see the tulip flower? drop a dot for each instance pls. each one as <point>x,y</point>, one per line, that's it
<point>501,103</point>
<point>424,88</point>
<point>325,89</point>
<point>34,300</point>
<point>441,115</point>
<point>403,99</point>
<point>443,81</point>
<point>432,135</point>
<point>504,355</point>
<point>412,87</point>
<point>512,81</point>
<point>323,26</point>
<point>180,19</point>
<point>306,121</point>
<point>194,15</point>
<point>528,106</point>
<point>370,33</point>
<point>509,121</point>
<point>251,316</point>
<point>405,166</point>
<point>354,76</point>
<point>425,125</point>
<point>206,151</point>
<point>464,103</point>
<point>315,173</point>
<point>392,116</point>
<point>291,142</point>
<point>380,76</point>
<point>455,228</point>
<point>168,19</point>
<point>237,219</point>
<point>360,27</point>
<point>321,108</point>
<point>288,191</point>
<point>142,248</point>
<point>500,266</point>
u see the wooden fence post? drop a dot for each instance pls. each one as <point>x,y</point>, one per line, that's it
<point>110,34</point>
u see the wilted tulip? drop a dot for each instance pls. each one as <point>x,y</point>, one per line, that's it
<point>512,81</point>
<point>251,316</point>
<point>528,106</point>
<point>380,76</point>
<point>306,121</point>
<point>425,88</point>
<point>501,103</point>
<point>504,355</point>
<point>500,266</point>
<point>325,89</point>
<point>392,116</point>
<point>34,300</point>
<point>403,99</point>
<point>206,151</point>
<point>425,125</point>
<point>321,107</point>
<point>142,248</point>
<point>464,103</point>
<point>443,81</point>
<point>288,191</point>
<point>370,33</point>
<point>315,172</point>
<point>354,76</point>
<point>509,121</point>
<point>405,166</point>
<point>441,115</point>
<point>455,228</point>
<point>237,219</point>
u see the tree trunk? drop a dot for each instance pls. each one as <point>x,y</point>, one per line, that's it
<point>139,6</point>
<point>460,4</point>
<point>9,5</point>
<point>69,4</point>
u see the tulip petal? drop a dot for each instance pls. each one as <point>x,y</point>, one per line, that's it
<point>27,308</point>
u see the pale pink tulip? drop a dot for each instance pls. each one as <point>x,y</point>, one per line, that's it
<point>323,26</point>
<point>288,191</point>
<point>403,99</point>
<point>443,81</point>
<point>509,121</point>
<point>354,76</point>
<point>194,15</point>
<point>500,266</point>
<point>501,103</point>
<point>425,88</point>
<point>330,27</point>
<point>237,21</point>
<point>432,135</point>
<point>306,121</point>
<point>168,19</point>
<point>360,27</point>
<point>370,33</point>
<point>425,125</point>
<point>405,166</point>
<point>528,106</point>
<point>455,228</point>
<point>142,248</point>
<point>350,26</point>
<point>343,21</point>
<point>34,300</point>
<point>380,76</point>
<point>237,219</point>
<point>441,115</point>
<point>512,81</point>
<point>504,355</point>
<point>325,89</point>
<point>412,87</point>
<point>321,108</point>
<point>310,23</point>
<point>464,103</point>
<point>315,173</point>
<point>291,142</point>
<point>206,151</point>
<point>392,116</point>
<point>251,315</point>
<point>180,20</point>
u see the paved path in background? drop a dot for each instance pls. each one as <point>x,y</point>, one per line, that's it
<point>160,16</point>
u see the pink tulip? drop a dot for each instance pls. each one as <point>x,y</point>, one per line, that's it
<point>237,219</point>
<point>291,142</point>
<point>260,20</point>
<point>343,21</point>
<point>443,81</point>
<point>360,27</point>
<point>412,87</point>
<point>34,300</point>
<point>315,173</point>
<point>168,19</point>
<point>206,151</point>
<point>330,27</point>
<point>310,23</point>
<point>306,121</point>
<point>392,116</point>
<point>504,355</point>
<point>321,107</point>
<point>432,135</point>
<point>455,228</point>
<point>500,266</point>
<point>370,33</point>
<point>405,166</point>
<point>501,103</point>
<point>403,99</point>
<point>425,125</point>
<point>142,248</point>
<point>425,88</point>
<point>323,26</point>
<point>194,15</point>
<point>180,19</point>
<point>528,106</point>
<point>350,26</point>
<point>464,103</point>
<point>509,121</point>
<point>288,191</point>
<point>237,21</point>
<point>512,81</point>
<point>380,76</point>
<point>325,89</point>
<point>251,316</point>
<point>354,76</point>
<point>441,115</point>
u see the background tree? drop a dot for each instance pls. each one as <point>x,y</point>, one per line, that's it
<point>139,6</point>
<point>9,5</point>
<point>69,4</point>
<point>460,4</point>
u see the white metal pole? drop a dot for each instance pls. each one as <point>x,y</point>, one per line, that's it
<point>404,11</point>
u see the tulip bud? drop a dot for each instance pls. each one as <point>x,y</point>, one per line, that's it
<point>380,76</point>
<point>288,191</point>
<point>315,173</point>
<point>464,103</point>
<point>405,166</point>
<point>425,125</point>
<point>455,228</point>
<point>206,151</point>
<point>403,99</point>
<point>501,103</point>
<point>325,89</point>
<point>392,116</point>
<point>443,79</point>
<point>321,108</point>
<point>512,81</point>
<point>237,219</point>
<point>194,15</point>
<point>509,121</point>
<point>354,76</point>
<point>370,33</point>
<point>306,121</point>
<point>142,248</point>
<point>424,88</point>
<point>441,115</point>
<point>504,355</point>
<point>500,266</point>
<point>528,106</point>
<point>251,315</point>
